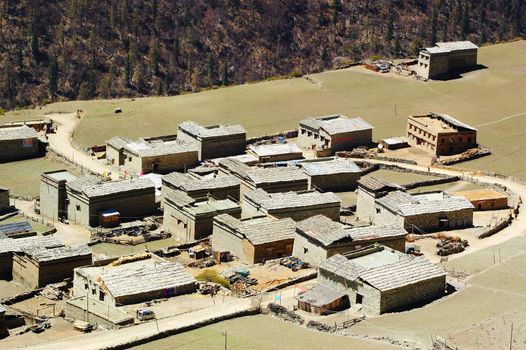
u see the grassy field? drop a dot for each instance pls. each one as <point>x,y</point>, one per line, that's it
<point>449,187</point>
<point>491,99</point>
<point>23,177</point>
<point>261,333</point>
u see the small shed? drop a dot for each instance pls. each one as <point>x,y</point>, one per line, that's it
<point>109,217</point>
<point>322,300</point>
<point>485,199</point>
<point>394,143</point>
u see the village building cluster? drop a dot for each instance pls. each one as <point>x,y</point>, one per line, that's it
<point>252,203</point>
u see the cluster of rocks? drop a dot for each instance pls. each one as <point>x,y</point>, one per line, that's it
<point>319,326</point>
<point>283,313</point>
<point>450,246</point>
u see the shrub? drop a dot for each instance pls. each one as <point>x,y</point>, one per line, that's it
<point>210,275</point>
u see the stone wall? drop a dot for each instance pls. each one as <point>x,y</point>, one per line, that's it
<point>347,141</point>
<point>335,182</point>
<point>4,199</point>
<point>224,240</point>
<point>308,250</point>
<point>222,147</point>
<point>413,294</point>
<point>75,312</point>
<point>253,254</point>
<point>18,149</point>
<point>431,221</point>
<point>332,211</point>
<point>114,156</point>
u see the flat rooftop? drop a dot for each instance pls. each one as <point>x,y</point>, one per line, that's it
<point>439,123</point>
<point>336,124</point>
<point>477,195</point>
<point>329,167</point>
<point>275,175</point>
<point>275,149</point>
<point>211,131</point>
<point>159,148</point>
<point>17,132</point>
<point>60,175</point>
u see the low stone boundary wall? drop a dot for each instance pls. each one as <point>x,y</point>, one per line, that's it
<point>292,282</point>
<point>286,134</point>
<point>497,228</point>
<point>164,334</point>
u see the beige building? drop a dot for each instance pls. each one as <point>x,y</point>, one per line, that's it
<point>270,179</point>
<point>222,187</point>
<point>383,280</point>
<point>190,219</point>
<point>446,58</point>
<point>39,266</point>
<point>133,282</point>
<point>214,141</point>
<point>334,132</point>
<point>485,199</point>
<point>331,174</point>
<point>253,240</point>
<point>370,189</point>
<point>276,152</point>
<point>440,134</point>
<point>295,205</point>
<point>423,213</point>
<point>318,238</point>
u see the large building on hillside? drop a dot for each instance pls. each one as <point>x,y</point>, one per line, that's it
<point>270,179</point>
<point>214,141</point>
<point>423,213</point>
<point>86,199</point>
<point>190,219</point>
<point>222,187</point>
<point>440,134</point>
<point>253,240</point>
<point>446,58</point>
<point>318,238</point>
<point>18,142</point>
<point>157,155</point>
<point>327,174</point>
<point>334,132</point>
<point>295,205</point>
<point>133,282</point>
<point>383,280</point>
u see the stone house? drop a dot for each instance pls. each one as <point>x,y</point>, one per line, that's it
<point>198,187</point>
<point>440,134</point>
<point>142,157</point>
<point>331,174</point>
<point>485,199</point>
<point>276,152</point>
<point>18,142</point>
<point>115,150</point>
<point>38,266</point>
<point>214,141</point>
<point>271,179</point>
<point>87,198</point>
<point>424,212</point>
<point>11,246</point>
<point>295,205</point>
<point>370,189</point>
<point>383,280</point>
<point>133,282</point>
<point>190,219</point>
<point>318,238</point>
<point>446,58</point>
<point>53,203</point>
<point>253,240</point>
<point>334,132</point>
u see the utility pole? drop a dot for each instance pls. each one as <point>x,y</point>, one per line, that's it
<point>511,337</point>
<point>225,334</point>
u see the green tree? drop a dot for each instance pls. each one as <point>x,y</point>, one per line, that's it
<point>53,77</point>
<point>389,29</point>
<point>128,71</point>
<point>433,27</point>
<point>35,51</point>
<point>154,57</point>
<point>464,24</point>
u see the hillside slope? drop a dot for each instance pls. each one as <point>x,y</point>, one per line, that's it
<point>81,49</point>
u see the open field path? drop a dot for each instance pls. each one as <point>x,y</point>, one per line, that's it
<point>61,143</point>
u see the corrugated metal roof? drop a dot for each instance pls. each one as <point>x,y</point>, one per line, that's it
<point>188,183</point>
<point>457,45</point>
<point>58,253</point>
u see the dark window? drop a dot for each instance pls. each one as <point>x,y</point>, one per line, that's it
<point>305,250</point>
<point>101,295</point>
<point>378,210</point>
<point>77,207</point>
<point>359,298</point>
<point>469,139</point>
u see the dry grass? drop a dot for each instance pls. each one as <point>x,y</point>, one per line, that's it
<point>479,98</point>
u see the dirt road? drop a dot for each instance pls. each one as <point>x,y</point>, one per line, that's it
<point>100,340</point>
<point>61,143</point>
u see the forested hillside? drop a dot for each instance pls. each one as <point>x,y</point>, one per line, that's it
<point>82,49</point>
